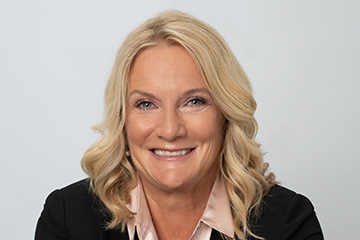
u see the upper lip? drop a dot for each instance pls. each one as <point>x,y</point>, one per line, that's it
<point>171,149</point>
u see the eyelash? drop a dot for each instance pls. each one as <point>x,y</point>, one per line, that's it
<point>200,100</point>
<point>150,105</point>
<point>139,104</point>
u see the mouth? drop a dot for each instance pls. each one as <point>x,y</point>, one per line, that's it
<point>165,153</point>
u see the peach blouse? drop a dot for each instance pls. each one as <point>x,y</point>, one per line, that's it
<point>217,215</point>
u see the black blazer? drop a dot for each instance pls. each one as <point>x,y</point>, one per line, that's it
<point>74,213</point>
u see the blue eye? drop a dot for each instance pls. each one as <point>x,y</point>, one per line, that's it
<point>197,101</point>
<point>144,105</point>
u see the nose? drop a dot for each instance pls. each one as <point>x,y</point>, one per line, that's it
<point>170,125</point>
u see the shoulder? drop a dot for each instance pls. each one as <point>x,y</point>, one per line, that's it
<point>72,212</point>
<point>76,192</point>
<point>279,197</point>
<point>285,214</point>
<point>77,196</point>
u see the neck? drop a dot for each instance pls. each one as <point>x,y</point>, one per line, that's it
<point>177,213</point>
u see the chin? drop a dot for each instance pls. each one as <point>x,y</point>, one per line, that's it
<point>170,183</point>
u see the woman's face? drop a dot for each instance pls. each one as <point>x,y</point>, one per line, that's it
<point>173,126</point>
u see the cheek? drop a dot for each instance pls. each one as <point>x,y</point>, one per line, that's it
<point>137,129</point>
<point>207,127</point>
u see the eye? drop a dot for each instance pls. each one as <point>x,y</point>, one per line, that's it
<point>197,102</point>
<point>144,105</point>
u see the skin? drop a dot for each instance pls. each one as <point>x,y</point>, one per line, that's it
<point>170,110</point>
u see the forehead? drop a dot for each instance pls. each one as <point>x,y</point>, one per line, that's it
<point>165,66</point>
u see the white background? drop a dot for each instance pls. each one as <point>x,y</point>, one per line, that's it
<point>302,57</point>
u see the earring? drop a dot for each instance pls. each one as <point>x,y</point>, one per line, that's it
<point>127,153</point>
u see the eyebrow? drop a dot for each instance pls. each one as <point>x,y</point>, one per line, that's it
<point>196,90</point>
<point>146,94</point>
<point>187,92</point>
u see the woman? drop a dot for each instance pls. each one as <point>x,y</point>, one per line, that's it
<point>177,159</point>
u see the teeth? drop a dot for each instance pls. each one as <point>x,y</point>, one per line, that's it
<point>163,153</point>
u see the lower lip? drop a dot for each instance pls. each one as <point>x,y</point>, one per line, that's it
<point>172,158</point>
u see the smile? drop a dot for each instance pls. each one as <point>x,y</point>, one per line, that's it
<point>163,153</point>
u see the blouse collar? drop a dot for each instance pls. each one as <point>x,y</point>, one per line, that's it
<point>217,215</point>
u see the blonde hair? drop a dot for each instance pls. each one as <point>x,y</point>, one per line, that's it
<point>241,162</point>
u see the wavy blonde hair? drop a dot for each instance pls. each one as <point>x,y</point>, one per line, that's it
<point>241,161</point>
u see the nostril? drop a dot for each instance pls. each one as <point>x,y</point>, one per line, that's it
<point>170,126</point>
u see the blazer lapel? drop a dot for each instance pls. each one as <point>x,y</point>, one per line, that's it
<point>215,235</point>
<point>116,234</point>
<point>113,234</point>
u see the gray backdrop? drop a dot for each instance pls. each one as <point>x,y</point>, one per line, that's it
<point>301,56</point>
